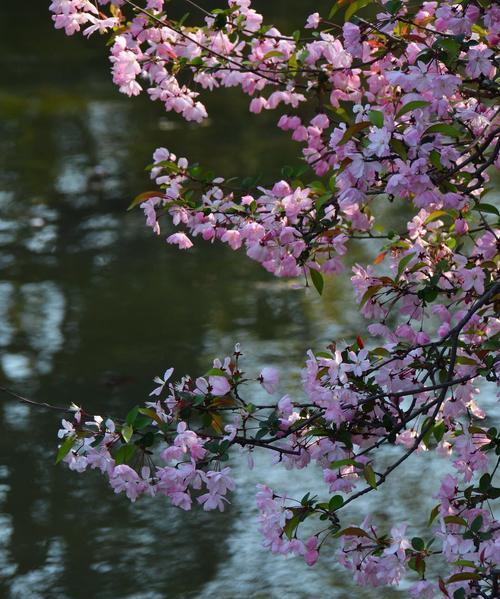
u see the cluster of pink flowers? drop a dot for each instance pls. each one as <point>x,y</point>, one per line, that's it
<point>382,567</point>
<point>274,517</point>
<point>71,15</point>
<point>402,110</point>
<point>176,481</point>
<point>274,225</point>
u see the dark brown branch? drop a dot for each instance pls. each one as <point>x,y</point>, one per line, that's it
<point>36,404</point>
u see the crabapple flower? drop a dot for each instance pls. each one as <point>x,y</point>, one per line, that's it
<point>399,543</point>
<point>67,429</point>
<point>359,362</point>
<point>219,385</point>
<point>313,21</point>
<point>269,378</point>
<point>125,479</point>
<point>162,381</point>
<point>311,554</point>
<point>473,278</point>
<point>181,240</point>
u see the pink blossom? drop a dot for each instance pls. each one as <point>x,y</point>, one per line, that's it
<point>181,240</point>
<point>379,141</point>
<point>311,555</point>
<point>473,278</point>
<point>399,543</point>
<point>313,21</point>
<point>162,381</point>
<point>479,62</point>
<point>359,362</point>
<point>219,385</point>
<point>269,379</point>
<point>67,429</point>
<point>124,479</point>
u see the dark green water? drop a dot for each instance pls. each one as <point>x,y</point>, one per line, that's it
<point>92,306</point>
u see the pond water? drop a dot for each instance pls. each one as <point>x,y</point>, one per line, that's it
<point>92,306</point>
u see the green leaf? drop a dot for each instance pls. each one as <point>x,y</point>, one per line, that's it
<point>376,118</point>
<point>369,475</point>
<point>196,171</point>
<point>460,576</point>
<point>417,266</point>
<point>444,129</point>
<point>354,531</point>
<point>215,372</point>
<point>293,64</point>
<point>132,415</point>
<point>494,492</point>
<point>151,414</point>
<point>142,197</point>
<point>66,447</point>
<point>393,6</point>
<point>455,520</point>
<point>451,242</point>
<point>435,158</point>
<point>381,351</point>
<point>341,113</point>
<point>401,244</point>
<point>418,544</point>
<point>476,524</point>
<point>317,279</point>
<point>291,526</point>
<point>125,454</point>
<point>336,502</point>
<point>465,563</point>
<point>489,208</point>
<point>369,293</point>
<point>353,130</point>
<point>429,294</point>
<point>183,19</point>
<point>220,21</point>
<point>450,46</point>
<point>273,53</point>
<point>322,200</point>
<point>318,186</point>
<point>197,61</point>
<point>435,215</point>
<point>434,514</point>
<point>354,8</point>
<point>346,462</point>
<point>127,432</point>
<point>141,422</point>
<point>485,483</point>
<point>466,361</point>
<point>399,147</point>
<point>409,106</point>
<point>403,263</point>
<point>439,430</point>
<point>335,9</point>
